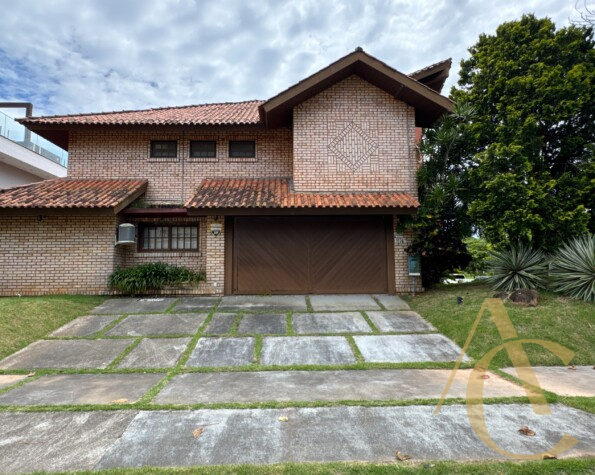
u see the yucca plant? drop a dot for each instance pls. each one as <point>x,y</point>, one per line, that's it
<point>151,276</point>
<point>573,268</point>
<point>520,267</point>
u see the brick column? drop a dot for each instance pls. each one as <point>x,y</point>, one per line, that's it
<point>403,281</point>
<point>215,256</point>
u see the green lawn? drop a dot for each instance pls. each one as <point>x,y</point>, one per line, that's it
<point>24,320</point>
<point>545,467</point>
<point>568,322</point>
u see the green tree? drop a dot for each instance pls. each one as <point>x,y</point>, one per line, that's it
<point>533,88</point>
<point>442,221</point>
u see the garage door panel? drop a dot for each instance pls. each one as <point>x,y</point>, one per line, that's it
<point>270,255</point>
<point>315,254</point>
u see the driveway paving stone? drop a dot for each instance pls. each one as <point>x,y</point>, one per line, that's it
<point>85,326</point>
<point>306,350</point>
<point>268,323</point>
<point>193,304</point>
<point>328,434</point>
<point>407,348</point>
<point>346,322</point>
<point>59,389</point>
<point>134,305</point>
<point>369,385</point>
<point>326,303</point>
<point>392,302</point>
<point>263,303</point>
<point>58,441</point>
<point>66,354</point>
<point>155,353</point>
<point>213,351</point>
<point>10,379</point>
<point>400,321</point>
<point>221,323</point>
<point>564,381</point>
<point>159,325</point>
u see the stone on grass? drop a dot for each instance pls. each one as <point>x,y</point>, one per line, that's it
<point>84,326</point>
<point>345,322</point>
<point>159,325</point>
<point>134,305</point>
<point>263,324</point>
<point>224,351</point>
<point>525,297</point>
<point>221,323</point>
<point>306,350</point>
<point>155,353</point>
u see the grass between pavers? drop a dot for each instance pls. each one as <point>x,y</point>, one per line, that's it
<point>370,323</point>
<point>545,467</point>
<point>570,323</point>
<point>24,320</point>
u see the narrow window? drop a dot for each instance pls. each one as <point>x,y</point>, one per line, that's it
<point>203,148</point>
<point>242,149</point>
<point>164,148</point>
<point>164,238</point>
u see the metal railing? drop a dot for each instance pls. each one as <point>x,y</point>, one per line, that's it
<point>19,134</point>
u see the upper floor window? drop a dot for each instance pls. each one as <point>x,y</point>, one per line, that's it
<point>164,148</point>
<point>242,149</point>
<point>203,148</point>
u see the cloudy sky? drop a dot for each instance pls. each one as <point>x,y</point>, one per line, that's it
<point>69,56</point>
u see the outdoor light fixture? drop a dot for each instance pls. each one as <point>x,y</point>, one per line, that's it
<point>216,229</point>
<point>126,234</point>
<point>459,300</point>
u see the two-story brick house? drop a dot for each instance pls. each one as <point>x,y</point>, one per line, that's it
<point>297,194</point>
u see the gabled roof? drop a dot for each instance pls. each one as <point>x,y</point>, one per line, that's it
<point>429,105</point>
<point>62,194</point>
<point>433,75</point>
<point>276,193</point>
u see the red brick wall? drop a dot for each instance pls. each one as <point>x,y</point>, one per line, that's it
<point>124,153</point>
<point>354,137</point>
<point>58,255</point>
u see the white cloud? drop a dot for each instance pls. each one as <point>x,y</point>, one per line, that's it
<point>67,56</point>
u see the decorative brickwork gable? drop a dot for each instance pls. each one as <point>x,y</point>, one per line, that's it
<point>354,137</point>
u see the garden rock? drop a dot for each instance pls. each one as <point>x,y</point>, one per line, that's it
<point>525,297</point>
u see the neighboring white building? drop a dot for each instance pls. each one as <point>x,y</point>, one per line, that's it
<point>26,157</point>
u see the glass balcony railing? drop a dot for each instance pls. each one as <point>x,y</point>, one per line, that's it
<point>19,134</point>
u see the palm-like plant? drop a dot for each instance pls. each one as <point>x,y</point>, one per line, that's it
<point>573,268</point>
<point>520,267</point>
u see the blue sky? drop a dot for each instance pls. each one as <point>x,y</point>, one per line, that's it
<point>69,56</point>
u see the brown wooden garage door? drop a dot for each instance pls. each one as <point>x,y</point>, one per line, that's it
<point>310,254</point>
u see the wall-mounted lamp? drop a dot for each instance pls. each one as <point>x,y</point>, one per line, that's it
<point>40,218</point>
<point>216,229</point>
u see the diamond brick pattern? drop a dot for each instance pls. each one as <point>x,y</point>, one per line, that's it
<point>353,146</point>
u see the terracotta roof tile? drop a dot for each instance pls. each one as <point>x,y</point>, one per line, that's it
<point>277,193</point>
<point>230,113</point>
<point>72,193</point>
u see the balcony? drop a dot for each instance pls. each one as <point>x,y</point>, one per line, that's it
<point>19,134</point>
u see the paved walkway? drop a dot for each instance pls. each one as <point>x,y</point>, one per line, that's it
<point>577,381</point>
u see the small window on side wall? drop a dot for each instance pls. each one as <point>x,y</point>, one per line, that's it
<point>242,149</point>
<point>166,238</point>
<point>164,148</point>
<point>203,149</point>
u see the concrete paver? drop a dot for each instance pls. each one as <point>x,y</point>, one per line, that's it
<point>168,324</point>
<point>58,441</point>
<point>345,322</point>
<point>268,323</point>
<point>306,350</point>
<point>369,385</point>
<point>221,323</point>
<point>10,379</point>
<point>325,303</point>
<point>66,354</point>
<point>392,302</point>
<point>134,305</point>
<point>564,381</point>
<point>155,353</point>
<point>406,348</point>
<point>193,304</point>
<point>326,434</point>
<point>400,321</point>
<point>85,326</point>
<point>59,389</point>
<point>229,351</point>
<point>262,303</point>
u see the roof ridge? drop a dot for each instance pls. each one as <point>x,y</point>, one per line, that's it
<point>430,66</point>
<point>123,111</point>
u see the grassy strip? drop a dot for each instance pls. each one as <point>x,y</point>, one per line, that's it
<point>309,307</point>
<point>125,353</point>
<point>24,320</point>
<point>236,324</point>
<point>356,352</point>
<point>545,467</point>
<point>371,323</point>
<point>258,340</point>
<point>289,323</point>
<point>379,303</point>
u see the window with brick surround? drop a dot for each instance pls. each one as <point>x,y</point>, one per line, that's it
<point>164,149</point>
<point>203,148</point>
<point>242,149</point>
<point>168,237</point>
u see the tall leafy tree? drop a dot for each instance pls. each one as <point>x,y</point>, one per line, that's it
<point>533,89</point>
